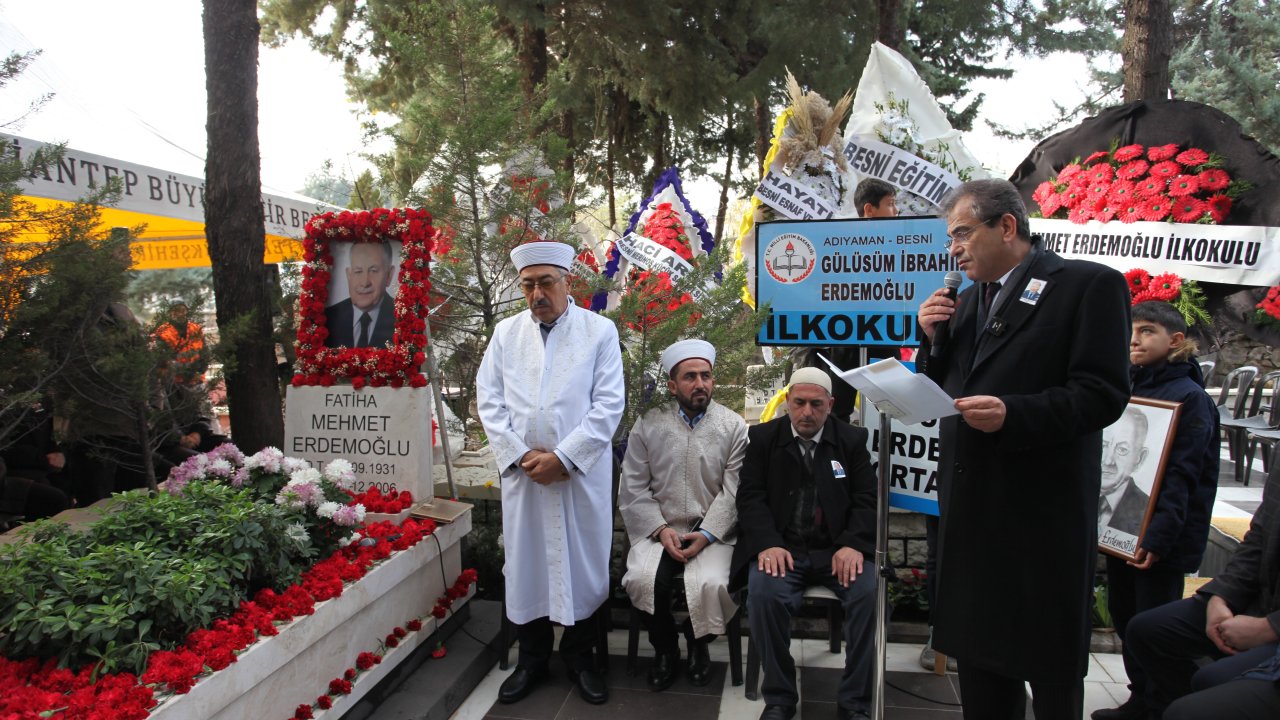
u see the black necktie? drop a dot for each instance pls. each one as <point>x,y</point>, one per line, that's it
<point>807,453</point>
<point>989,293</point>
<point>365,320</point>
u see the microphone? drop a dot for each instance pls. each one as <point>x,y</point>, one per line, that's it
<point>942,331</point>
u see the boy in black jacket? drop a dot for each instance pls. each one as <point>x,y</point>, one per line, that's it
<point>1163,368</point>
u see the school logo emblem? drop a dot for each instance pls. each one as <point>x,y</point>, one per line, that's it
<point>790,258</point>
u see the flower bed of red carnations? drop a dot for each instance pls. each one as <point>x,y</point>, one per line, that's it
<point>30,689</point>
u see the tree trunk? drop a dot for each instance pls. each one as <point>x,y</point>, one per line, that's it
<point>233,221</point>
<point>888,30</point>
<point>764,133</point>
<point>1146,48</point>
<point>532,54</point>
<point>723,208</point>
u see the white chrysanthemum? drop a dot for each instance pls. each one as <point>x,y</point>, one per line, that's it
<point>352,538</point>
<point>306,474</point>
<point>292,465</point>
<point>327,509</point>
<point>337,469</point>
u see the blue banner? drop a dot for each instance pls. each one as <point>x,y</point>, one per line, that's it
<point>848,282</point>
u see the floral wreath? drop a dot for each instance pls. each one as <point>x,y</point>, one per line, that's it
<point>1184,295</point>
<point>1131,183</point>
<point>659,296</point>
<point>398,365</point>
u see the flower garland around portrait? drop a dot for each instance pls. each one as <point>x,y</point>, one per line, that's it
<point>366,660</point>
<point>30,688</point>
<point>1131,183</point>
<point>398,364</point>
<point>1184,295</point>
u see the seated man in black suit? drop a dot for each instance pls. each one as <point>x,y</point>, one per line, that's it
<point>368,317</point>
<point>1233,621</point>
<point>806,514</point>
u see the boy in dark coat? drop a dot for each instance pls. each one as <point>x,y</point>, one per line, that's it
<point>1164,368</point>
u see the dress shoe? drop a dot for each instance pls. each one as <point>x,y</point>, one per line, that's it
<point>1132,709</point>
<point>778,712</point>
<point>520,683</point>
<point>663,672</point>
<point>591,687</point>
<point>847,714</point>
<point>699,664</point>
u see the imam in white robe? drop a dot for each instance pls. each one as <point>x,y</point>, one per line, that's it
<point>673,475</point>
<point>566,397</point>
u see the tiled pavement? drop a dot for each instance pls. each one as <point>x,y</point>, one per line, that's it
<point>911,692</point>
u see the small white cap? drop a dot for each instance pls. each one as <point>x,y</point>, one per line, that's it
<point>678,352</point>
<point>812,376</point>
<point>543,253</point>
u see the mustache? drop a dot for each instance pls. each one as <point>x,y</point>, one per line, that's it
<point>541,302</point>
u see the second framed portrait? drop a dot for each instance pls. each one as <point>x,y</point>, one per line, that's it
<point>1135,449</point>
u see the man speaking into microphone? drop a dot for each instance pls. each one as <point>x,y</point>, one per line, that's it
<point>1037,361</point>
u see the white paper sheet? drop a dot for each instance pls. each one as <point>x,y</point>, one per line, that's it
<point>905,396</point>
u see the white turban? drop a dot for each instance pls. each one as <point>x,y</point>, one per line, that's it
<point>812,376</point>
<point>678,352</point>
<point>542,253</point>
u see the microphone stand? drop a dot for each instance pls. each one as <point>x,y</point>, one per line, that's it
<point>882,551</point>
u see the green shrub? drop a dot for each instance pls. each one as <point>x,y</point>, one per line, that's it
<point>145,576</point>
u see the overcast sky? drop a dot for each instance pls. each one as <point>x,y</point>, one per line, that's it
<point>129,84</point>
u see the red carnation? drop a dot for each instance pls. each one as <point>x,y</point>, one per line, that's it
<point>1162,152</point>
<point>439,652</point>
<point>1219,206</point>
<point>1100,155</point>
<point>1043,190</point>
<point>415,625</point>
<point>1138,280</point>
<point>1129,152</point>
<point>1133,170</point>
<point>400,632</point>
<point>439,612</point>
<point>1214,179</point>
<point>1080,214</point>
<point>1073,196</point>
<point>1066,174</point>
<point>1154,209</point>
<point>303,712</point>
<point>349,674</point>
<point>324,702</point>
<point>1120,192</point>
<point>1051,204</point>
<point>1183,185</point>
<point>1150,187</point>
<point>1191,157</point>
<point>1102,173</point>
<point>366,660</point>
<point>339,686</point>
<point>1165,287</point>
<point>1189,209</point>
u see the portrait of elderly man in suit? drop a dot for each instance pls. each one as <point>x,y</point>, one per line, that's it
<point>1123,503</point>
<point>367,318</point>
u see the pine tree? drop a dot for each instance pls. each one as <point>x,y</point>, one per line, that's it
<point>1229,62</point>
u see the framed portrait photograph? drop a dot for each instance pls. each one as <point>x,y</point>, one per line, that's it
<point>1135,449</point>
<point>364,297</point>
<point>362,290</point>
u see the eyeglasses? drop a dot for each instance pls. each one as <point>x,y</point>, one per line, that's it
<point>545,284</point>
<point>961,235</point>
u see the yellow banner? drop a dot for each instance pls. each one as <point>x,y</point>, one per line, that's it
<point>169,243</point>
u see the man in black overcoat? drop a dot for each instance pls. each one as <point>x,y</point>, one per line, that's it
<point>806,516</point>
<point>1037,377</point>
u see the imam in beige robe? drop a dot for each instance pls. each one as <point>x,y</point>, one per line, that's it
<point>672,475</point>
